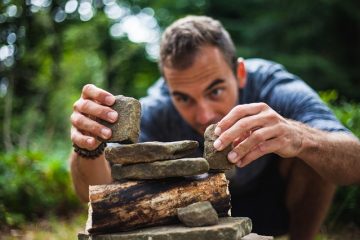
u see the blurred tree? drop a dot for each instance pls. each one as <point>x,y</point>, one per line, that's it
<point>50,48</point>
<point>318,40</point>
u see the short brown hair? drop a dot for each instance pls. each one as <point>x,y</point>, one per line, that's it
<point>182,39</point>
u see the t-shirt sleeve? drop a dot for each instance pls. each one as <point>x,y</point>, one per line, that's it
<point>292,98</point>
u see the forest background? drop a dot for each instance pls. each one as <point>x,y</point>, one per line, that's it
<point>49,49</point>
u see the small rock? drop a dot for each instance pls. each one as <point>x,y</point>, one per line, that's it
<point>217,159</point>
<point>163,169</point>
<point>149,151</point>
<point>198,214</point>
<point>127,127</point>
<point>254,236</point>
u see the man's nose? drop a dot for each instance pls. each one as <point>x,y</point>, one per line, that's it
<point>205,114</point>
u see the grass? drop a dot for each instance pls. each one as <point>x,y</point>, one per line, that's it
<point>52,228</point>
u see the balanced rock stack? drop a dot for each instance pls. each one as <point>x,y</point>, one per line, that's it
<point>154,160</point>
<point>155,184</point>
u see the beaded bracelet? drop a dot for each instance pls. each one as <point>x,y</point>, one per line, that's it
<point>90,154</point>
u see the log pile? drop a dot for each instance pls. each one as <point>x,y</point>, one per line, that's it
<point>154,182</point>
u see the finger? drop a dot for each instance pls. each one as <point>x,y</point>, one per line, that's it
<point>90,91</point>
<point>88,125</point>
<point>92,108</point>
<point>260,150</point>
<point>240,139</point>
<point>255,138</point>
<point>241,129</point>
<point>237,113</point>
<point>83,141</point>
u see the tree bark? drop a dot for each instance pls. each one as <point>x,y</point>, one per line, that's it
<point>127,205</point>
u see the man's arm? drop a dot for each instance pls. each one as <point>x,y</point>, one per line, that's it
<point>85,172</point>
<point>334,155</point>
<point>256,129</point>
<point>93,103</point>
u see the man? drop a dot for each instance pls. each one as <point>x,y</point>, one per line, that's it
<point>288,147</point>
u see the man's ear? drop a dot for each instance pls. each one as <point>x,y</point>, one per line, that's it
<point>241,72</point>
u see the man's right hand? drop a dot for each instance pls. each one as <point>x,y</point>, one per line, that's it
<point>93,103</point>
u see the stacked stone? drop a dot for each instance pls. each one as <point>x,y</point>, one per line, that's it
<point>149,160</point>
<point>154,160</point>
<point>217,159</point>
<point>129,160</point>
<point>136,164</point>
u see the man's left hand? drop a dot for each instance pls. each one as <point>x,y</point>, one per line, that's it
<point>255,130</point>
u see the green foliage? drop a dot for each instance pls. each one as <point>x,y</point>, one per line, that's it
<point>51,228</point>
<point>317,40</point>
<point>346,205</point>
<point>34,184</point>
<point>347,112</point>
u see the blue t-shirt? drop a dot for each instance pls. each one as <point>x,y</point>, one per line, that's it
<point>267,82</point>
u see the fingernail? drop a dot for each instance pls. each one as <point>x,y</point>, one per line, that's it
<point>106,133</point>
<point>112,116</point>
<point>217,144</point>
<point>239,163</point>
<point>109,100</point>
<point>232,157</point>
<point>217,131</point>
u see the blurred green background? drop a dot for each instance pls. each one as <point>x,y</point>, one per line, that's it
<point>50,48</point>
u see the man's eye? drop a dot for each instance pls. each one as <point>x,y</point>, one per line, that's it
<point>216,92</point>
<point>183,99</point>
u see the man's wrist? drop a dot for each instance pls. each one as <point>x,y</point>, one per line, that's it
<point>310,140</point>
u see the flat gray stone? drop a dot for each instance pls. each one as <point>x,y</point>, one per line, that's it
<point>217,159</point>
<point>229,228</point>
<point>149,151</point>
<point>171,168</point>
<point>198,214</point>
<point>127,127</point>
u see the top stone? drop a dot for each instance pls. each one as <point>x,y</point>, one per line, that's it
<point>217,159</point>
<point>127,127</point>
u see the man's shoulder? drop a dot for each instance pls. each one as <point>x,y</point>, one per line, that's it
<point>265,75</point>
<point>261,66</point>
<point>262,76</point>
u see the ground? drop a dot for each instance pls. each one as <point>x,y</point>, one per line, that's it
<point>64,229</point>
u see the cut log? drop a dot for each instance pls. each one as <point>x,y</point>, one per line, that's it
<point>129,205</point>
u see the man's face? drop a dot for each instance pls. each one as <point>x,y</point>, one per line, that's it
<point>204,92</point>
